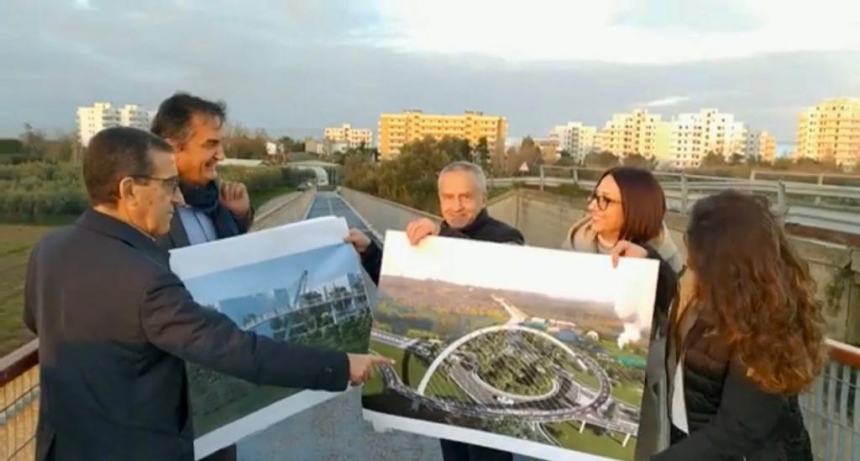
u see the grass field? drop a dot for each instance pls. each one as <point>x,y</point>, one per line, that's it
<point>628,393</point>
<point>15,244</point>
<point>439,382</point>
<point>590,442</point>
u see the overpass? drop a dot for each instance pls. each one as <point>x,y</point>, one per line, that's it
<point>335,430</point>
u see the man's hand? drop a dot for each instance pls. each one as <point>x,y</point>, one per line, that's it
<point>358,240</point>
<point>361,366</point>
<point>420,228</point>
<point>628,250</point>
<point>234,197</point>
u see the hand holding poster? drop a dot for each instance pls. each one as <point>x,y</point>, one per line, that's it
<point>528,350</point>
<point>298,283</point>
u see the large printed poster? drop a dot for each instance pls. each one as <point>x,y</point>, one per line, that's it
<point>298,283</point>
<point>534,351</point>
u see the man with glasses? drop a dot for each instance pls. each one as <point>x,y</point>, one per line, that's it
<point>116,326</point>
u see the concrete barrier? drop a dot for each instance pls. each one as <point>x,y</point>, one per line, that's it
<point>285,209</point>
<point>381,214</point>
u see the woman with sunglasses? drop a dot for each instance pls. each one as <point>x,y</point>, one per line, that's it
<point>628,205</point>
<point>745,338</point>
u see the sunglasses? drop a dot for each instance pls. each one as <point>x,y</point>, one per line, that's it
<point>602,201</point>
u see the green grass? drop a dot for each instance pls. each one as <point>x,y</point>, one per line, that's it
<point>585,378</point>
<point>259,198</point>
<point>416,372</point>
<point>16,242</point>
<point>628,392</point>
<point>608,445</point>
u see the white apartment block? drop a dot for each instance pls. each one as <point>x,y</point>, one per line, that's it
<point>695,135</point>
<point>352,137</point>
<point>575,138</point>
<point>760,146</point>
<point>101,115</point>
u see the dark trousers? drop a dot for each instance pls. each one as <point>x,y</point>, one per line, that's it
<point>224,454</point>
<point>458,451</point>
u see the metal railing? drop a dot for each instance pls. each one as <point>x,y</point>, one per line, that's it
<point>832,207</point>
<point>19,403</point>
<point>831,408</point>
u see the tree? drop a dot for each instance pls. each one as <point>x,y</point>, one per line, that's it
<point>482,153</point>
<point>603,159</point>
<point>457,149</point>
<point>737,159</point>
<point>33,141</point>
<point>411,177</point>
<point>640,161</point>
<point>239,143</point>
<point>359,173</point>
<point>565,161</point>
<point>783,163</point>
<point>713,160</point>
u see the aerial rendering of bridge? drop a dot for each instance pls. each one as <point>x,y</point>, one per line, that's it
<point>568,400</point>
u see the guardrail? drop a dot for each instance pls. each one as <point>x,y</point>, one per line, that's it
<point>831,207</point>
<point>19,403</point>
<point>831,408</point>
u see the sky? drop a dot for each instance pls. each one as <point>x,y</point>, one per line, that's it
<point>294,67</point>
<point>575,276</point>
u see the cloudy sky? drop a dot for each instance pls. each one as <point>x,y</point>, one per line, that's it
<point>293,67</point>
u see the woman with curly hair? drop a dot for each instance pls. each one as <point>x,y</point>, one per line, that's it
<point>746,337</point>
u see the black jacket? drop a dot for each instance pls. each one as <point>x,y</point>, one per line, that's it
<point>115,326</point>
<point>484,228</point>
<point>728,416</point>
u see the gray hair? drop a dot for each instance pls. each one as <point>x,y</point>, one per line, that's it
<point>476,170</point>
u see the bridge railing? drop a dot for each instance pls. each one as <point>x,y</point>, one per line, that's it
<point>19,403</point>
<point>686,187</point>
<point>831,408</point>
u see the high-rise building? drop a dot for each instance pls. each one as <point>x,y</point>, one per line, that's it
<point>761,146</point>
<point>134,116</point>
<point>637,132</point>
<point>830,132</point>
<point>101,115</point>
<point>695,135</point>
<point>352,137</point>
<point>576,139</point>
<point>397,129</point>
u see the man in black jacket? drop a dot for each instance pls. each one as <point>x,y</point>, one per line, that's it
<point>462,189</point>
<point>115,325</point>
<point>462,200</point>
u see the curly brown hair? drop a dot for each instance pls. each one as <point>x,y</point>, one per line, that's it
<point>753,287</point>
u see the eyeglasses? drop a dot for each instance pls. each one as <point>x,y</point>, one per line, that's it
<point>603,201</point>
<point>170,184</point>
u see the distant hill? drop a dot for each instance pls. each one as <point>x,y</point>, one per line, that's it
<point>450,298</point>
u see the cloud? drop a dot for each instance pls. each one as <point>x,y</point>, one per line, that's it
<point>294,68</point>
<point>670,101</point>
<point>83,5</point>
<point>622,31</point>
